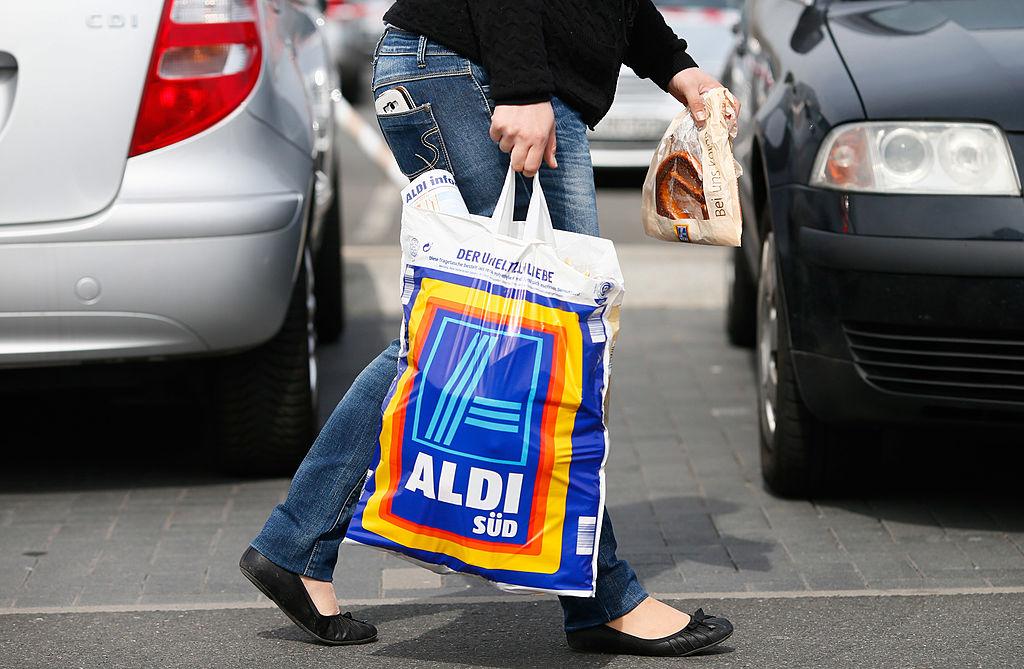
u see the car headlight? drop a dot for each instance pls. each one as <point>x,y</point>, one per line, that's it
<point>917,157</point>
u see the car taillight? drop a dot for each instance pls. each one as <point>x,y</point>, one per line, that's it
<point>205,62</point>
<point>333,6</point>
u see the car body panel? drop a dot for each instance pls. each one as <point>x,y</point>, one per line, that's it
<point>967,217</point>
<point>964,314</point>
<point>977,44</point>
<point>284,101</point>
<point>197,249</point>
<point>253,187</point>
<point>793,88</point>
<point>76,92</point>
<point>156,297</point>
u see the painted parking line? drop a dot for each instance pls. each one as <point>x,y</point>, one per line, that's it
<point>382,207</point>
<point>380,214</point>
<point>369,140</point>
<point>504,598</point>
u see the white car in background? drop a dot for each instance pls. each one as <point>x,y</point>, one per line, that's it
<point>627,136</point>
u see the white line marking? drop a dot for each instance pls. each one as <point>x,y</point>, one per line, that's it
<point>455,600</point>
<point>370,251</point>
<point>369,140</point>
<point>380,212</point>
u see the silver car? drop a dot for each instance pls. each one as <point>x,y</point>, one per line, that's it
<point>167,189</point>
<point>641,112</point>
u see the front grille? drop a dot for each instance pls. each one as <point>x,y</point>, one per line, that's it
<point>940,363</point>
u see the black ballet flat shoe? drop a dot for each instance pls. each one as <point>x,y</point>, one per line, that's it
<point>701,633</point>
<point>287,591</point>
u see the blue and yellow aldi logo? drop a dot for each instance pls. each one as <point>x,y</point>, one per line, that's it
<point>451,411</point>
<point>478,468</point>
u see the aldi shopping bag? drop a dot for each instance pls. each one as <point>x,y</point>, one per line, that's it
<point>493,441</point>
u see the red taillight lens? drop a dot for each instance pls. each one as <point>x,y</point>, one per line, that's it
<point>205,62</point>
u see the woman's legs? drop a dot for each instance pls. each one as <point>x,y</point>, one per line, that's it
<point>303,533</point>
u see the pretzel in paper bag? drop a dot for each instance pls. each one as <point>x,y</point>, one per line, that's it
<point>690,192</point>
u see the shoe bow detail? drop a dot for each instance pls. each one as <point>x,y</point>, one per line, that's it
<point>701,633</point>
<point>286,589</point>
<point>699,618</point>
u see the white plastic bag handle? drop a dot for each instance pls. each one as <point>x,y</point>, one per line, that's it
<point>538,219</point>
<point>505,207</point>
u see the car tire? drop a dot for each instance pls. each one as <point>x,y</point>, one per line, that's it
<point>353,85</point>
<point>266,398</point>
<point>741,307</point>
<point>329,291</point>
<point>794,444</point>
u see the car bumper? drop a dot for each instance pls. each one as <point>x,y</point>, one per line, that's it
<point>901,330</point>
<point>612,154</point>
<point>904,309</point>
<point>212,288</point>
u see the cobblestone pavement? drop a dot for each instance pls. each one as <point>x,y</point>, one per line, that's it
<point>146,523</point>
<point>108,504</point>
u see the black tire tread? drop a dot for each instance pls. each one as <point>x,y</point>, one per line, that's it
<point>264,413</point>
<point>795,464</point>
<point>328,288</point>
<point>741,307</point>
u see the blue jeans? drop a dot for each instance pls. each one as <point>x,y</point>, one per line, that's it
<point>446,129</point>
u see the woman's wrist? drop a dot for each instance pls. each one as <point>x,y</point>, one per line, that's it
<point>689,85</point>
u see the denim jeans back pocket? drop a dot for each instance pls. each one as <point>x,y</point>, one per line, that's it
<point>415,140</point>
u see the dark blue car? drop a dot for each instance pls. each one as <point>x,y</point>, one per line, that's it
<point>881,277</point>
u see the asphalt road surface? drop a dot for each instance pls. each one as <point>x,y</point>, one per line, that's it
<point>119,542</point>
<point>818,633</point>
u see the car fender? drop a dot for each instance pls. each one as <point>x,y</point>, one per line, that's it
<point>794,88</point>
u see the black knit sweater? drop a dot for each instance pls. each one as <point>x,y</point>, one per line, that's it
<point>535,48</point>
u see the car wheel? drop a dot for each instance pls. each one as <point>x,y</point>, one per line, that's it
<point>330,295</point>
<point>741,308</point>
<point>353,85</point>
<point>266,398</point>
<point>793,442</point>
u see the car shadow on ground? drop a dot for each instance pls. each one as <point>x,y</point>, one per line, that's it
<point>92,427</point>
<point>905,473</point>
<point>955,478</point>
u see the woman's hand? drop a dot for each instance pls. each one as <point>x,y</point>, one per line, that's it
<point>528,133</point>
<point>688,86</point>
